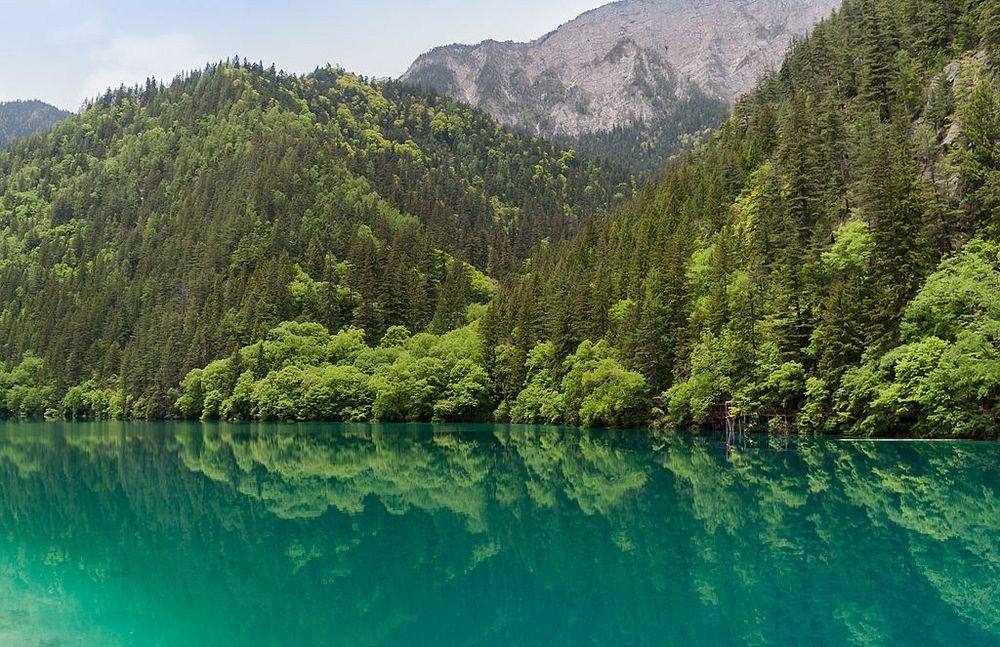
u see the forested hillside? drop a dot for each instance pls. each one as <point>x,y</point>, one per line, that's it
<point>165,227</point>
<point>645,147</point>
<point>829,261</point>
<point>325,248</point>
<point>21,118</point>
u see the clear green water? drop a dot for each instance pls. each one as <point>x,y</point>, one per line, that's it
<point>190,534</point>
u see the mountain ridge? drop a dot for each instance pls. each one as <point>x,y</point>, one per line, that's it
<point>20,118</point>
<point>606,68</point>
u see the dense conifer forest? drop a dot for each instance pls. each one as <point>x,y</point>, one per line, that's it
<point>644,147</point>
<point>167,226</point>
<point>829,261</point>
<point>246,244</point>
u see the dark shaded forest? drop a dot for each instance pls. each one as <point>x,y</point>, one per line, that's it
<point>644,147</point>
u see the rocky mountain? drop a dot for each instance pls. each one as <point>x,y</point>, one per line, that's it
<point>21,118</point>
<point>669,66</point>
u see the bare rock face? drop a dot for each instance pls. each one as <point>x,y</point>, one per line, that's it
<point>622,64</point>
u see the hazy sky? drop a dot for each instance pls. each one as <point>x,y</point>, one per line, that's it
<point>63,51</point>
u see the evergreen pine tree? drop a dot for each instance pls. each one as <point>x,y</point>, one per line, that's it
<point>989,22</point>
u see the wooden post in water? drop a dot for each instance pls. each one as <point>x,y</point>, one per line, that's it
<point>730,419</point>
<point>730,429</point>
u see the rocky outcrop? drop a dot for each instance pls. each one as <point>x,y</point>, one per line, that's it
<point>625,63</point>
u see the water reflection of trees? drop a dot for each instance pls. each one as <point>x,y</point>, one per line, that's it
<point>412,522</point>
<point>303,475</point>
<point>895,524</point>
<point>672,534</point>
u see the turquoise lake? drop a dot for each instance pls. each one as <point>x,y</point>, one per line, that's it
<point>214,534</point>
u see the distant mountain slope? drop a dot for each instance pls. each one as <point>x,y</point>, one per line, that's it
<point>21,118</point>
<point>652,63</point>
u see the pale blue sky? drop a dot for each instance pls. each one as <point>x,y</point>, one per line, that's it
<point>63,51</point>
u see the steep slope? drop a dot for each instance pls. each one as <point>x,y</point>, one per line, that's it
<point>21,118</point>
<point>829,261</point>
<point>164,227</point>
<point>670,66</point>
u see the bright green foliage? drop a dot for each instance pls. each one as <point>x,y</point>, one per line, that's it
<point>302,372</point>
<point>348,344</point>
<point>435,378</point>
<point>813,417</point>
<point>22,392</point>
<point>540,401</point>
<point>613,396</point>
<point>852,248</point>
<point>86,400</point>
<point>846,319</point>
<point>711,381</point>
<point>945,380</point>
<point>591,388</point>
<point>776,388</point>
<point>598,391</point>
<point>279,396</point>
<point>291,343</point>
<point>963,293</point>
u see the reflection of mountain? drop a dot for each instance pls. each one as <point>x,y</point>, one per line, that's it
<point>373,534</point>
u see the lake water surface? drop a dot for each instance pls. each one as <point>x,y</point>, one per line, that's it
<point>202,534</point>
